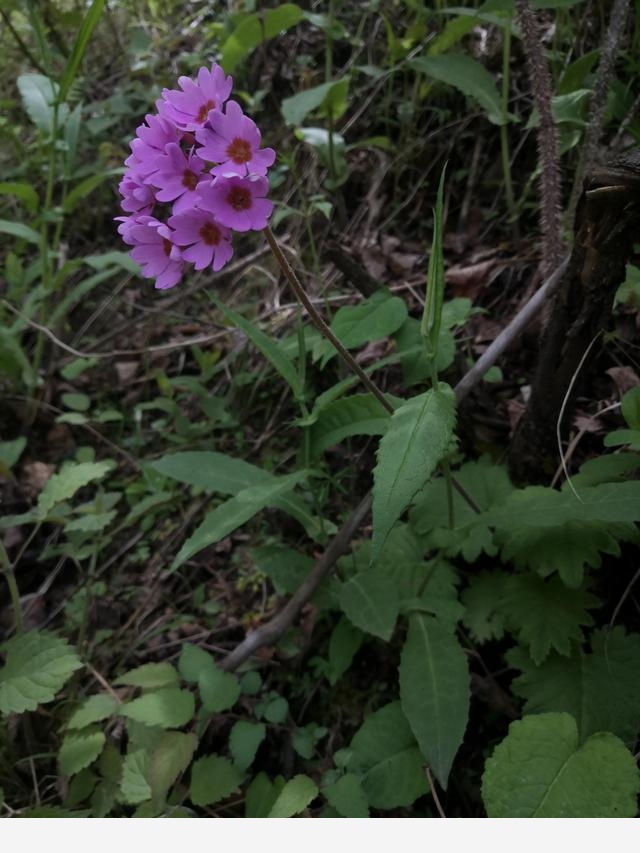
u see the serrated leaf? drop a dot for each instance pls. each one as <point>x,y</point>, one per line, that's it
<point>545,614</point>
<point>469,76</point>
<point>193,661</point>
<point>150,676</point>
<point>244,740</point>
<point>213,778</point>
<point>371,603</point>
<point>539,770</point>
<point>434,691</point>
<point>294,797</point>
<point>218,690</point>
<point>79,750</point>
<point>488,485</point>
<point>168,708</point>
<point>92,710</point>
<point>481,601</point>
<point>134,786</point>
<point>347,796</point>
<point>568,549</point>
<point>385,750</point>
<point>360,414</point>
<point>600,689</point>
<point>417,439</point>
<point>235,512</point>
<point>70,479</point>
<point>261,795</point>
<point>170,757</point>
<point>37,665</point>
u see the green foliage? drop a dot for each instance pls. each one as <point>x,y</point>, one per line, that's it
<point>418,437</point>
<point>168,708</point>
<point>541,770</point>
<point>600,688</point>
<point>294,797</point>
<point>79,750</point>
<point>434,691</point>
<point>212,779</point>
<point>37,666</point>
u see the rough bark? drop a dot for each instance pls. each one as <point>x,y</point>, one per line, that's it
<point>607,223</point>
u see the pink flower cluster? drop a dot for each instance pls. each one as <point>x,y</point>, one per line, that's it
<point>201,155</point>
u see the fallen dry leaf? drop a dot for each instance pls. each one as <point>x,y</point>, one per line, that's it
<point>34,476</point>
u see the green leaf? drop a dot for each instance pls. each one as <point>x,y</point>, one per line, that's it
<point>25,192</point>
<point>288,569</point>
<point>79,46</point>
<point>545,614</point>
<point>87,186</point>
<point>217,472</point>
<point>11,451</point>
<point>219,690</point>
<point>235,512</point>
<point>384,748</point>
<point>277,711</point>
<point>193,662</point>
<point>168,708</point>
<point>72,477</point>
<point>568,549</point>
<point>17,229</point>
<point>432,313</point>
<point>488,485</point>
<point>212,779</point>
<point>79,750</point>
<point>372,320</point>
<point>630,406</point>
<point>600,689</point>
<point>37,665</point>
<point>434,691</point>
<point>347,797</point>
<point>539,770</point>
<point>256,28</point>
<point>150,676</point>
<point>92,710</point>
<point>469,76</point>
<point>360,414</point>
<point>261,795</point>
<point>38,96</point>
<point>371,603</point>
<point>244,740</point>
<point>481,600</point>
<point>296,108</point>
<point>170,757</point>
<point>344,642</point>
<point>418,437</point>
<point>294,797</point>
<point>134,786</point>
<point>284,366</point>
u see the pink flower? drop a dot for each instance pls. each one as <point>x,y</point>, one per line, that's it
<point>208,241</point>
<point>234,143</point>
<point>154,250</point>
<point>237,202</point>
<point>150,143</point>
<point>136,196</point>
<point>190,107</point>
<point>177,177</point>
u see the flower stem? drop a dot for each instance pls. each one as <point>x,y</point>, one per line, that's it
<point>14,594</point>
<point>320,324</point>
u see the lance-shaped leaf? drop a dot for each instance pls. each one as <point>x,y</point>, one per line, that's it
<point>418,437</point>
<point>434,691</point>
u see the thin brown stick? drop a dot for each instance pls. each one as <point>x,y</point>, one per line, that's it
<point>434,793</point>
<point>271,631</point>
<point>319,323</point>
